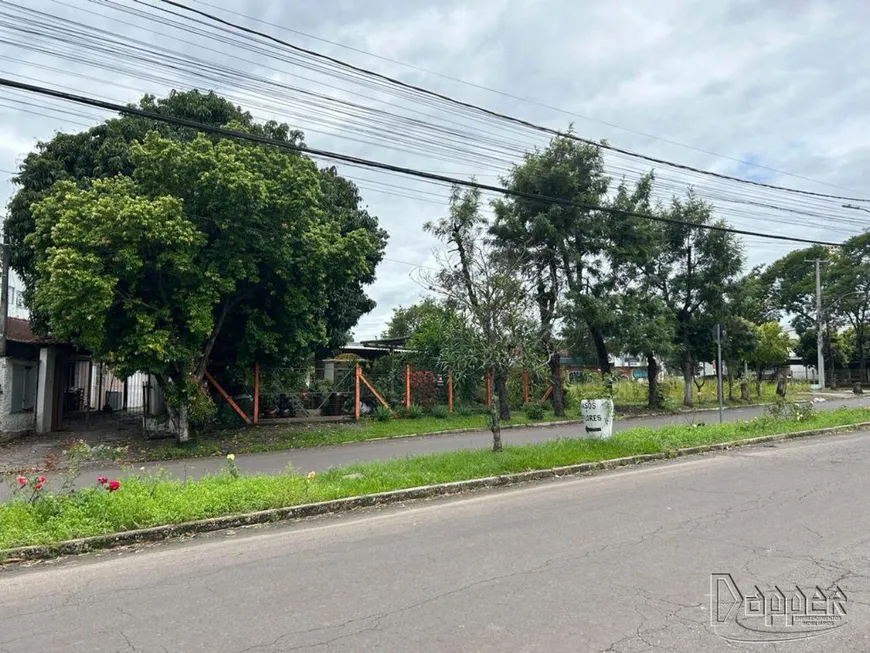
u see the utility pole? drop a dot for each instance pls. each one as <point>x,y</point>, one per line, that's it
<point>721,392</point>
<point>820,338</point>
<point>4,297</point>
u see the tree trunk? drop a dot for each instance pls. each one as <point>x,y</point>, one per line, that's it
<point>183,424</point>
<point>688,368</point>
<point>758,380</point>
<point>600,350</point>
<point>652,372</point>
<point>501,392</point>
<point>495,424</point>
<point>744,390</point>
<point>556,381</point>
<point>780,384</point>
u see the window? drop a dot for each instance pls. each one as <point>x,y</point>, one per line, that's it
<point>23,387</point>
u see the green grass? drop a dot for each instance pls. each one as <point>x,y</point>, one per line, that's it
<point>629,397</point>
<point>155,500</point>
<point>278,438</point>
<point>633,394</point>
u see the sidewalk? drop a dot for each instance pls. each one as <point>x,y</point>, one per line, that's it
<point>321,458</point>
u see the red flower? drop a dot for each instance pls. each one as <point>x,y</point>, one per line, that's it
<point>114,485</point>
<point>102,480</point>
<point>39,485</point>
<point>21,481</point>
<point>40,480</point>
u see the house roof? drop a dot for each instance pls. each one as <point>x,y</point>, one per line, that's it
<point>384,343</point>
<point>18,330</point>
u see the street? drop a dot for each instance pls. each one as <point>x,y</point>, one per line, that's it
<point>618,562</point>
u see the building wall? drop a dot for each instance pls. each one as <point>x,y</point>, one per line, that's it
<point>16,298</point>
<point>15,420</point>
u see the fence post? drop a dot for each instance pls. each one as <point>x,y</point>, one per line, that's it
<point>525,386</point>
<point>488,389</point>
<point>449,393</point>
<point>407,386</point>
<point>89,381</point>
<point>223,393</point>
<point>256,392</point>
<point>356,392</point>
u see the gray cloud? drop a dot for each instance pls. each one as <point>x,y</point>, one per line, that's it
<point>781,83</point>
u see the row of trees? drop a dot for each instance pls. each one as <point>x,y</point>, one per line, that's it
<point>543,276</point>
<point>167,250</point>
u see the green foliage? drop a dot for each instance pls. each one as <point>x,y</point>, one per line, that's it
<point>465,410</point>
<point>774,346</point>
<point>783,409</point>
<point>159,249</point>
<point>382,413</point>
<point>791,284</point>
<point>414,411</point>
<point>440,412</point>
<point>202,407</point>
<point>534,411</point>
<point>497,332</point>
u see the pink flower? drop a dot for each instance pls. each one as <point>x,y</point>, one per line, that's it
<point>40,480</point>
<point>21,481</point>
<point>102,480</point>
<point>114,485</point>
<point>39,485</point>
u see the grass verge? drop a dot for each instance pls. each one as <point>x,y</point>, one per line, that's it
<point>156,500</point>
<point>278,438</point>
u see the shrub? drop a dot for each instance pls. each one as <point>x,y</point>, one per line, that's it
<point>413,411</point>
<point>534,411</point>
<point>382,413</point>
<point>783,409</point>
<point>424,389</point>
<point>465,410</point>
<point>440,412</point>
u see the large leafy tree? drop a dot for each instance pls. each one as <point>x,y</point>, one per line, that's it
<point>208,247</point>
<point>559,245</point>
<point>773,351</point>
<point>106,151</point>
<point>693,274</point>
<point>407,320</point>
<point>848,293</point>
<point>791,284</point>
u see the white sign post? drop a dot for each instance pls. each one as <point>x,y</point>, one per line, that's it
<point>597,417</point>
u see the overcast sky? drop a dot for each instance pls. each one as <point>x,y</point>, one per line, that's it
<point>782,84</point>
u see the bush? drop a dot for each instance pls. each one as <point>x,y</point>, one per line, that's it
<point>783,409</point>
<point>465,410</point>
<point>534,411</point>
<point>424,388</point>
<point>413,412</point>
<point>382,413</point>
<point>440,412</point>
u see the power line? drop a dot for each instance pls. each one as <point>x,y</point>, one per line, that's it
<point>490,112</point>
<point>520,98</point>
<point>356,123</point>
<point>378,165</point>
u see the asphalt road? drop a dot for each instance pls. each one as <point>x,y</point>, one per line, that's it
<point>618,562</point>
<point>320,458</point>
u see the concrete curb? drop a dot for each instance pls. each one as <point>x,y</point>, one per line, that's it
<point>157,533</point>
